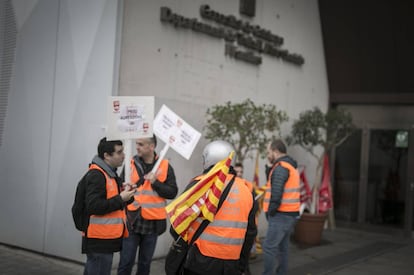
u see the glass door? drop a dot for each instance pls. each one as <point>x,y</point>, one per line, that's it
<point>387,177</point>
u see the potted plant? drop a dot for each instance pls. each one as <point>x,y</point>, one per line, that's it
<point>318,133</point>
<point>244,125</point>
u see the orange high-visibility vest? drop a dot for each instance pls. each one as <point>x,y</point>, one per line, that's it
<point>111,225</point>
<point>291,193</point>
<point>152,205</point>
<point>249,185</point>
<point>223,238</point>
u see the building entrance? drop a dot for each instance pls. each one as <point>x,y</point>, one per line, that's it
<point>373,181</point>
<point>387,177</point>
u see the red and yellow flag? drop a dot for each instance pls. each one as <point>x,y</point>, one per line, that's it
<point>305,190</point>
<point>258,190</point>
<point>325,192</point>
<point>201,200</point>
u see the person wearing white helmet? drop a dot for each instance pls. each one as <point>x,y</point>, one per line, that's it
<point>218,249</point>
<point>216,151</point>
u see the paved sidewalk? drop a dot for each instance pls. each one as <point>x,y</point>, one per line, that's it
<point>342,251</point>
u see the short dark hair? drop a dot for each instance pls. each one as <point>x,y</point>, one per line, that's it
<point>153,139</point>
<point>278,144</point>
<point>107,146</point>
<point>238,164</point>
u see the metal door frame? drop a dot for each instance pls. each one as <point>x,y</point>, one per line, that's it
<point>409,194</point>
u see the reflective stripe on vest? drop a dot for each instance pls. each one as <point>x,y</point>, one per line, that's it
<point>290,201</point>
<point>111,225</point>
<point>223,238</point>
<point>152,205</point>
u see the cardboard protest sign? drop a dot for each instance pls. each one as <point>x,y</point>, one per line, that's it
<point>130,117</point>
<point>175,132</point>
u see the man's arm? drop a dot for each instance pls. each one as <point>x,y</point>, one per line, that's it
<point>168,189</point>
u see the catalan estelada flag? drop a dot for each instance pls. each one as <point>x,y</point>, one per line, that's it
<point>201,200</point>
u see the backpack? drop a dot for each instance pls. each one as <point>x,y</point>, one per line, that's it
<point>79,214</point>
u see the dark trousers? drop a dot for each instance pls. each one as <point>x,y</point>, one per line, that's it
<point>98,264</point>
<point>146,244</point>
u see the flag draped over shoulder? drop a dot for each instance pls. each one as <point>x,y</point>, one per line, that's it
<point>201,200</point>
<point>325,192</point>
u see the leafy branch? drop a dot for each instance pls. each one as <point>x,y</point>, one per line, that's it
<point>314,128</point>
<point>246,126</point>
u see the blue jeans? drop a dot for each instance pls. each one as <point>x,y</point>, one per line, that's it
<point>276,244</point>
<point>128,254</point>
<point>98,264</point>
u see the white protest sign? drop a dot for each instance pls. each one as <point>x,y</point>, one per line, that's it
<point>175,132</point>
<point>130,117</point>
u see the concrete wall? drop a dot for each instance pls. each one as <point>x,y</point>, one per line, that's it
<point>189,72</point>
<point>64,71</point>
<point>67,64</point>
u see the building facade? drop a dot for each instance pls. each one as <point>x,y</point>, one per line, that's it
<point>62,59</point>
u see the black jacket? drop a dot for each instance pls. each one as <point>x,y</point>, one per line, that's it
<point>98,204</point>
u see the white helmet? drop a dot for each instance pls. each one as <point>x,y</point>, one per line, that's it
<point>216,151</point>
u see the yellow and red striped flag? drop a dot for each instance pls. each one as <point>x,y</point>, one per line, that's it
<point>201,200</point>
<point>258,190</point>
<point>325,192</point>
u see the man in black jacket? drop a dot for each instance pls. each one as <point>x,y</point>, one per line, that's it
<point>104,204</point>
